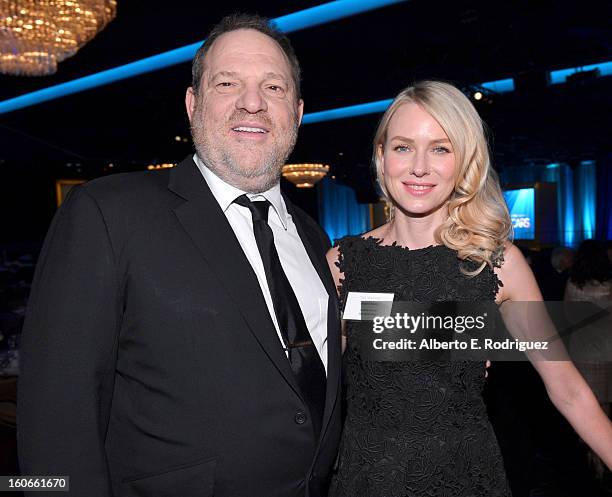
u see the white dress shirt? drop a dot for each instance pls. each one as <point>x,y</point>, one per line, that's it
<point>307,286</point>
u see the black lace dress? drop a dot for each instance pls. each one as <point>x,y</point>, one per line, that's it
<point>414,429</point>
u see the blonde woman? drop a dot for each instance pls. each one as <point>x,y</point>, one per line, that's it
<point>416,429</point>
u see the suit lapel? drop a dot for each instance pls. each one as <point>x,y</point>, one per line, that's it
<point>316,255</point>
<point>206,224</point>
<point>334,347</point>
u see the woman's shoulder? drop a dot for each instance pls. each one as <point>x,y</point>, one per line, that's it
<point>352,241</point>
<point>348,250</point>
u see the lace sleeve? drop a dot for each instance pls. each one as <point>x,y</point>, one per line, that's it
<point>341,265</point>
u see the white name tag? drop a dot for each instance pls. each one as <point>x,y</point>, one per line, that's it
<point>372,304</point>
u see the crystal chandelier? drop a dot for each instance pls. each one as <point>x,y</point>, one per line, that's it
<point>304,175</point>
<point>37,34</point>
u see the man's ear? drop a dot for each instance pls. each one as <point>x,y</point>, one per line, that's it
<point>190,99</point>
<point>300,111</point>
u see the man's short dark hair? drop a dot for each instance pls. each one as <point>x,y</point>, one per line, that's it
<point>245,21</point>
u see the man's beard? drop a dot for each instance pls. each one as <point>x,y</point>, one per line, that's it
<point>221,160</point>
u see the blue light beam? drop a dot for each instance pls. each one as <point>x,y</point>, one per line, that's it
<point>289,23</point>
<point>499,86</point>
<point>560,76</point>
<point>345,112</point>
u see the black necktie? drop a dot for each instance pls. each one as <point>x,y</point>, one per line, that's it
<point>303,356</point>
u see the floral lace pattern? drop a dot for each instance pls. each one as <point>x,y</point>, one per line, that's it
<point>414,429</point>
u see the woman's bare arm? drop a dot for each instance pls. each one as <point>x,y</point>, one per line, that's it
<point>566,387</point>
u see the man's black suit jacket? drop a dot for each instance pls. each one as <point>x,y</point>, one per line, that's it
<point>151,366</point>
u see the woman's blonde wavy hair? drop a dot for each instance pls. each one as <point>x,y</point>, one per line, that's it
<point>478,221</point>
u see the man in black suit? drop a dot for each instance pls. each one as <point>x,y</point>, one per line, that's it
<point>177,342</point>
